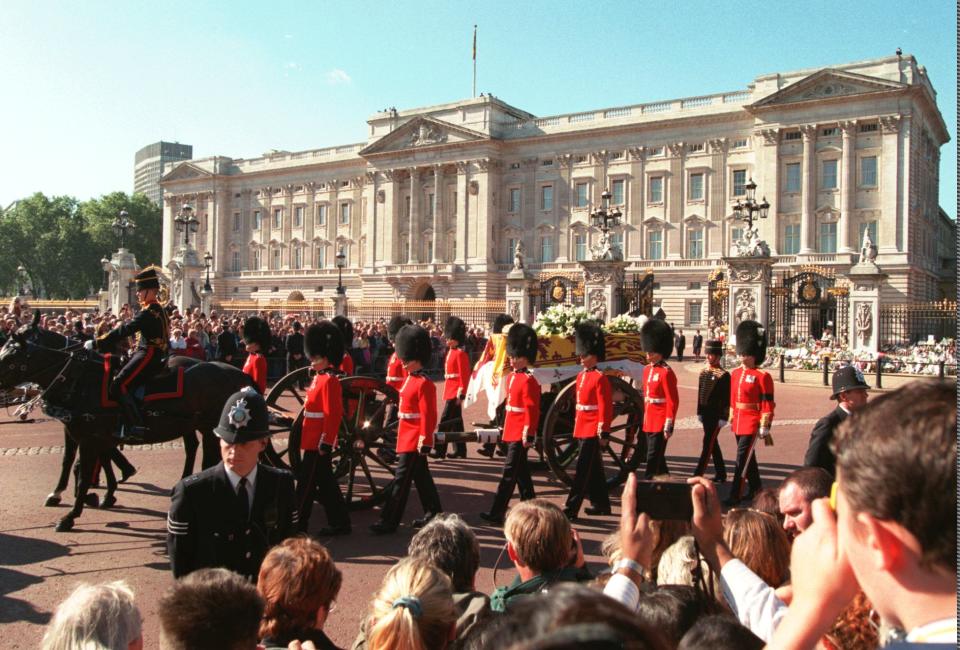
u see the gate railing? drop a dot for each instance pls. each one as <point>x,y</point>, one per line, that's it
<point>908,323</point>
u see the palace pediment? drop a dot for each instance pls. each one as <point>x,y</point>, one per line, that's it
<point>185,171</point>
<point>827,84</point>
<point>422,133</point>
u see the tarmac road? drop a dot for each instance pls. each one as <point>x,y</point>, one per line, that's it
<point>39,567</point>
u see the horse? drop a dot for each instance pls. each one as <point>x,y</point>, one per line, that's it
<point>75,384</point>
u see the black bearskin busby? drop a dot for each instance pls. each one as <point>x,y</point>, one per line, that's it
<point>413,344</point>
<point>324,340</point>
<point>501,321</point>
<point>589,340</point>
<point>657,336</point>
<point>346,330</point>
<point>522,342</point>
<point>752,340</point>
<point>455,329</point>
<point>395,325</point>
<point>256,330</point>
<point>147,278</point>
<point>244,417</point>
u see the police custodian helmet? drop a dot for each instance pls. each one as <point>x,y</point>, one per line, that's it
<point>244,418</point>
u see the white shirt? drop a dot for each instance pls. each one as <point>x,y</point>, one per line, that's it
<point>234,479</point>
<point>942,631</point>
<point>623,590</point>
<point>753,601</point>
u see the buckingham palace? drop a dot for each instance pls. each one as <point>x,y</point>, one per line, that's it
<point>434,202</point>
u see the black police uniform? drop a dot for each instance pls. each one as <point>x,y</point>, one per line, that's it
<point>227,348</point>
<point>713,405</point>
<point>213,524</point>
<point>819,453</point>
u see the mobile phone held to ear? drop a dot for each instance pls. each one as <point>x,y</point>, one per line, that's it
<point>665,500</point>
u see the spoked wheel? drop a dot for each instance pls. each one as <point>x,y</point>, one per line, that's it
<point>367,435</point>
<point>621,455</point>
<point>285,405</point>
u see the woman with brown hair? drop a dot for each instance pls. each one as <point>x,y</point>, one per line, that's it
<point>758,540</point>
<point>299,584</point>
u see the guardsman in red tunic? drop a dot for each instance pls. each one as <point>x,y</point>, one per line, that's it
<point>322,413</point>
<point>591,427</point>
<point>256,338</point>
<point>417,415</point>
<point>395,376</point>
<point>456,377</point>
<point>346,330</point>
<point>660,397</point>
<point>751,407</point>
<point>521,422</point>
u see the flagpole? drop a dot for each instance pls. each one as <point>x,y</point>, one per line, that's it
<point>474,60</point>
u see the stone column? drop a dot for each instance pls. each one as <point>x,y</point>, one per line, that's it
<point>464,203</point>
<point>518,296</point>
<point>893,177</point>
<point>373,225</point>
<point>120,271</point>
<point>748,279</point>
<point>807,190</point>
<point>413,235</point>
<point>601,281</point>
<point>437,221</point>
<point>848,185</point>
<point>866,280</point>
<point>673,232</point>
<point>563,207</point>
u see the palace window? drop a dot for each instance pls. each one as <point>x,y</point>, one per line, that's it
<point>430,205</point>
<point>580,247</point>
<point>546,197</point>
<point>617,188</point>
<point>791,239</point>
<point>511,247</point>
<point>255,261</point>
<point>829,175</point>
<point>655,245</point>
<point>830,131</point>
<point>583,195</point>
<point>275,259</point>
<point>514,200</point>
<point>739,182</point>
<point>297,258</point>
<point>235,262</point>
<point>322,214</point>
<point>792,181</point>
<point>546,248</point>
<point>298,216</point>
<point>344,214</point>
<point>256,220</point>
<point>736,234</point>
<point>868,128</point>
<point>694,148</point>
<point>656,190</point>
<point>696,187</point>
<point>616,241</point>
<point>236,222</point>
<point>792,135</point>
<point>828,237</point>
<point>320,256</point>
<point>739,143</point>
<point>694,307</point>
<point>695,243</point>
<point>868,171</point>
<point>277,217</point>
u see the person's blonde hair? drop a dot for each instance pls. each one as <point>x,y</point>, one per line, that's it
<point>540,534</point>
<point>95,617</point>
<point>758,540</point>
<point>413,610</point>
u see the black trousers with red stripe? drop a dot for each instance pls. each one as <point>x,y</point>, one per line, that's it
<point>315,481</point>
<point>711,448</point>
<point>143,365</point>
<point>451,419</point>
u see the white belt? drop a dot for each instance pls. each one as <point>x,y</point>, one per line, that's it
<point>516,409</point>
<point>453,376</point>
<point>313,414</point>
<point>408,416</point>
<point>389,378</point>
<point>588,407</point>
<point>655,400</point>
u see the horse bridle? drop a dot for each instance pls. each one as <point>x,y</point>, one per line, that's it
<point>28,352</point>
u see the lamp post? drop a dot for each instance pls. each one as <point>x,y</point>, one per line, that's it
<point>750,209</point>
<point>186,222</point>
<point>122,225</point>
<point>341,259</point>
<point>21,277</point>
<point>605,218</point>
<point>207,260</point>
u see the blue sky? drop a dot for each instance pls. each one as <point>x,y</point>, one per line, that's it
<point>86,84</point>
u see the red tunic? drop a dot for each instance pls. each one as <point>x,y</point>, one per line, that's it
<point>456,374</point>
<point>417,413</point>
<point>751,400</point>
<point>346,366</point>
<point>594,405</point>
<point>395,372</point>
<point>256,367</point>
<point>322,412</point>
<point>660,397</point>
<point>523,407</point>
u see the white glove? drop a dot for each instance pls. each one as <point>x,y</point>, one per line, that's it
<point>764,432</point>
<point>722,423</point>
<point>88,345</point>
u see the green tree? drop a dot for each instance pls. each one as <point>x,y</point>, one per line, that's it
<point>144,241</point>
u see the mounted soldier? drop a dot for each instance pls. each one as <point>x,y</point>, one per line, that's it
<point>152,328</point>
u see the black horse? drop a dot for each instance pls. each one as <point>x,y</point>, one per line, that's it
<point>73,384</point>
<point>49,339</point>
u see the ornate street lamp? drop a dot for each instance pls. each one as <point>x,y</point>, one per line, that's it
<point>207,261</point>
<point>749,210</point>
<point>605,219</point>
<point>122,225</point>
<point>341,258</point>
<point>186,223</point>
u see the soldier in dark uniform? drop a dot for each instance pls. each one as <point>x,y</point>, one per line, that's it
<point>231,514</point>
<point>713,409</point>
<point>152,327</point>
<point>293,344</point>
<point>850,392</point>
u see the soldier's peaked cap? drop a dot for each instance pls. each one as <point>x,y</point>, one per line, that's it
<point>148,278</point>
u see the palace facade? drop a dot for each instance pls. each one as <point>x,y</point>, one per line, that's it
<point>434,201</point>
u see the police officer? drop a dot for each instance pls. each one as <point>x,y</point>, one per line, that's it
<point>591,428</point>
<point>521,422</point>
<point>231,514</point>
<point>850,392</point>
<point>152,327</point>
<point>713,409</point>
<point>456,377</point>
<point>660,396</point>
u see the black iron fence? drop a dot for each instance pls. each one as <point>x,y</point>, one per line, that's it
<point>909,323</point>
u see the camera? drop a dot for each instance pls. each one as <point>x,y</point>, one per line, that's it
<point>665,500</point>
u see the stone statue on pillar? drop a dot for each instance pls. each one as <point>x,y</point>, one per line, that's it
<point>120,268</point>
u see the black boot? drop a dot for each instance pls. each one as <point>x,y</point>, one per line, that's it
<point>132,430</point>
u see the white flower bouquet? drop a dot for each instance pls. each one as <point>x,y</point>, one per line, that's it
<point>560,320</point>
<point>625,324</point>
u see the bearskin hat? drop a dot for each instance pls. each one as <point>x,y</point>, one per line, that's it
<point>256,330</point>
<point>657,336</point>
<point>395,325</point>
<point>346,330</point>
<point>147,278</point>
<point>752,340</point>
<point>324,339</point>
<point>589,340</point>
<point>413,344</point>
<point>522,342</point>
<point>501,321</point>
<point>455,329</point>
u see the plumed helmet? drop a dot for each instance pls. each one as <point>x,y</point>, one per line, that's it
<point>148,278</point>
<point>713,346</point>
<point>413,344</point>
<point>522,342</point>
<point>395,325</point>
<point>256,330</point>
<point>244,417</point>
<point>657,336</point>
<point>752,340</point>
<point>324,339</point>
<point>589,340</point>
<point>346,330</point>
<point>455,329</point>
<point>501,321</point>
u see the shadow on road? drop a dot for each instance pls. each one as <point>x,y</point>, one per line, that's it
<point>20,551</point>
